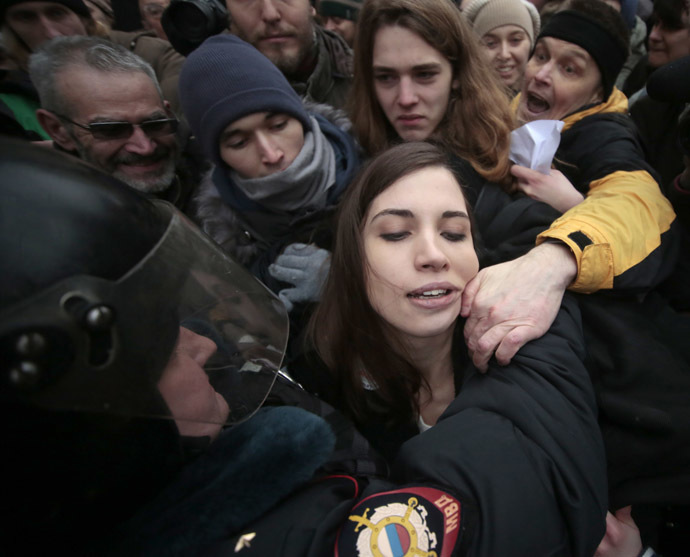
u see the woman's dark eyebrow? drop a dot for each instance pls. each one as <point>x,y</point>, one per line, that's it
<point>419,67</point>
<point>404,213</point>
<point>407,214</point>
<point>454,214</point>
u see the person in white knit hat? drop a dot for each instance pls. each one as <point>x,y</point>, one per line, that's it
<point>507,29</point>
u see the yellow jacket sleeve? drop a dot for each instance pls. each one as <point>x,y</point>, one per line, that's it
<point>616,233</point>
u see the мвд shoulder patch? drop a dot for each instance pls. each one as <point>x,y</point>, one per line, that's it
<point>418,521</point>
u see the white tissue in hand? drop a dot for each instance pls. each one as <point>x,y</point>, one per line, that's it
<point>534,144</point>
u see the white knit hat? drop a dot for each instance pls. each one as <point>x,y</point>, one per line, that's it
<point>485,15</point>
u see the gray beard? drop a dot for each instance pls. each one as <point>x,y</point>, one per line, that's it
<point>153,184</point>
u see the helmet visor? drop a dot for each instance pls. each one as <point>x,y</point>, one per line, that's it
<point>187,334</point>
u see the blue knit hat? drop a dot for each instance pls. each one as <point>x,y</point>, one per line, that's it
<point>226,79</point>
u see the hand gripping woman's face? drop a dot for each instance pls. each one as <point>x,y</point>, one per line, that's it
<point>419,253</point>
<point>412,81</point>
<point>261,144</point>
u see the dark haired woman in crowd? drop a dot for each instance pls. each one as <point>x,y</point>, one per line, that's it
<point>386,328</point>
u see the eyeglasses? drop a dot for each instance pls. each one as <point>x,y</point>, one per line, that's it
<point>124,130</point>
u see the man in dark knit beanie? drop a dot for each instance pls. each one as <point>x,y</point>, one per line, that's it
<point>316,62</point>
<point>212,99</point>
<point>280,169</point>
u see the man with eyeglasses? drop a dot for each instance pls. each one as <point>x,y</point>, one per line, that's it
<point>102,102</point>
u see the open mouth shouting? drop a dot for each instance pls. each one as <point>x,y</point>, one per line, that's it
<point>536,104</point>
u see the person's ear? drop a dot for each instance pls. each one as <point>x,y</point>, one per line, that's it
<point>55,128</point>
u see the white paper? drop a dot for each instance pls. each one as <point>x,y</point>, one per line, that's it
<point>534,144</point>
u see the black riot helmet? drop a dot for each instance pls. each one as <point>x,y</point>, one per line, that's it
<point>96,283</point>
<point>105,298</point>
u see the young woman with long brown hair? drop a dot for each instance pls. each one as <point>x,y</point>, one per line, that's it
<point>419,74</point>
<point>386,330</point>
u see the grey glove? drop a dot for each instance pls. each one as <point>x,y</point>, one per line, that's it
<point>304,266</point>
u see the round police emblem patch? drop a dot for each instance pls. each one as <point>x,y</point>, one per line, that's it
<point>414,521</point>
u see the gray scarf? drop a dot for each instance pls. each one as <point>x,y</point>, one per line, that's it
<point>303,184</point>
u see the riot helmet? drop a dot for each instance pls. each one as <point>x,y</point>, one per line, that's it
<point>124,332</point>
<point>97,283</point>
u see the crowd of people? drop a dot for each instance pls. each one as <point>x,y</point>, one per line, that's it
<point>284,289</point>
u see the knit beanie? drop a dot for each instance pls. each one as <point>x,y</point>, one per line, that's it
<point>345,9</point>
<point>226,79</point>
<point>485,15</point>
<point>77,6</point>
<point>580,29</point>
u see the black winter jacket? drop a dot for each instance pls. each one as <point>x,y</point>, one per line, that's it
<point>515,466</point>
